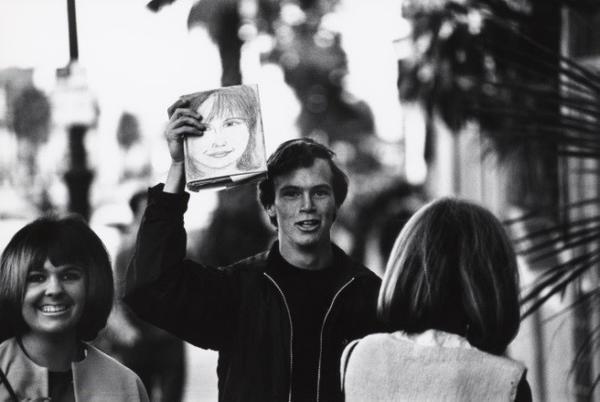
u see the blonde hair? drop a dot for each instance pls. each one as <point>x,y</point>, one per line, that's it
<point>453,268</point>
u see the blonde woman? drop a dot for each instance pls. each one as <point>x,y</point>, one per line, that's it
<point>449,296</point>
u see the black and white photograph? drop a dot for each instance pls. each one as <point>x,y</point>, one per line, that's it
<point>299,200</point>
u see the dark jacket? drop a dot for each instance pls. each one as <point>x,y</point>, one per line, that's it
<point>240,310</point>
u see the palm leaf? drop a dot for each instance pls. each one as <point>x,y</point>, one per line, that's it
<point>558,286</point>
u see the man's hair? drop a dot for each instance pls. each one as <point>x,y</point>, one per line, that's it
<point>453,268</point>
<point>66,240</point>
<point>295,154</point>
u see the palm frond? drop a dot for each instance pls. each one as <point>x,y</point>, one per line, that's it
<point>558,286</point>
<point>554,231</point>
<point>557,272</point>
<point>582,300</point>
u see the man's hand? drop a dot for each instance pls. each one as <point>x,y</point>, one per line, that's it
<point>183,121</point>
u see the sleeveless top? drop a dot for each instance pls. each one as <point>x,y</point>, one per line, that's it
<point>431,366</point>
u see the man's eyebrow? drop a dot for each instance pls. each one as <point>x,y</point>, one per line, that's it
<point>289,187</point>
<point>316,187</point>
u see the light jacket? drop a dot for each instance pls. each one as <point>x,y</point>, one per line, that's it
<point>432,366</point>
<point>240,310</point>
<point>97,378</point>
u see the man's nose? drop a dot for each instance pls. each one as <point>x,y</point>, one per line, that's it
<point>307,202</point>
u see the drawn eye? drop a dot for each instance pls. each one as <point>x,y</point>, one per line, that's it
<point>233,123</point>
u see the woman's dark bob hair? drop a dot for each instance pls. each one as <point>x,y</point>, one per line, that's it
<point>453,269</point>
<point>295,154</point>
<point>62,240</point>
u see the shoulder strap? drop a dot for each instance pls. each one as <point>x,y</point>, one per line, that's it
<point>344,361</point>
<point>4,381</point>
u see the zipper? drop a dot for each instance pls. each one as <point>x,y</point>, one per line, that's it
<point>291,332</point>
<point>321,337</point>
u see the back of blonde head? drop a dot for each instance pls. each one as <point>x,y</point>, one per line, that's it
<point>453,268</point>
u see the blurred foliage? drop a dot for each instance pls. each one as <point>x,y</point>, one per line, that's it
<point>495,63</point>
<point>314,66</point>
<point>222,19</point>
<point>382,215</point>
<point>31,115</point>
<point>498,63</point>
<point>476,60</point>
<point>309,53</point>
<point>128,130</point>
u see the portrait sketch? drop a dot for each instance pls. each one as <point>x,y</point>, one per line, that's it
<point>232,147</point>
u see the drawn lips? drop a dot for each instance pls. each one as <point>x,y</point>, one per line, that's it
<point>219,154</point>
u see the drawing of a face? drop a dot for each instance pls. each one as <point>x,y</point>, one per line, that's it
<point>224,140</point>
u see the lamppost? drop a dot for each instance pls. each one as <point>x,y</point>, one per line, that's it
<point>76,108</point>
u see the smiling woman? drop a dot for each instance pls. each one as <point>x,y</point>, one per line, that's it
<point>56,291</point>
<point>54,300</point>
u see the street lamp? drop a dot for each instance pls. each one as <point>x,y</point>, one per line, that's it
<point>76,109</point>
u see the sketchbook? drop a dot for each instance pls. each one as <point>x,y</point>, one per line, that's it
<point>232,149</point>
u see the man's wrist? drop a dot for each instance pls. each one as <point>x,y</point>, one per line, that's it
<point>175,178</point>
<point>171,202</point>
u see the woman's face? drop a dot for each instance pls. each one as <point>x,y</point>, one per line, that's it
<point>224,140</point>
<point>54,299</point>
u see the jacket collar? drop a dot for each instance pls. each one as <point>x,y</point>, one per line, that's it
<point>341,262</point>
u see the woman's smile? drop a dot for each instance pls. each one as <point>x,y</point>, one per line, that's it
<point>54,309</point>
<point>54,298</point>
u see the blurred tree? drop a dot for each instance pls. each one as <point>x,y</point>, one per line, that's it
<point>136,164</point>
<point>128,130</point>
<point>382,216</point>
<point>223,242</point>
<point>492,62</point>
<point>222,19</point>
<point>30,121</point>
<point>31,116</point>
<point>314,65</point>
<point>498,63</point>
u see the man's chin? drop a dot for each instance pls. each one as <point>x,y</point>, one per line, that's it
<point>309,242</point>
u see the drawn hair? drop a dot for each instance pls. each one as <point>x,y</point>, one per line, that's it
<point>62,240</point>
<point>241,101</point>
<point>453,268</point>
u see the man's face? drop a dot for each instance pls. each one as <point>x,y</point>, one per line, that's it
<point>304,206</point>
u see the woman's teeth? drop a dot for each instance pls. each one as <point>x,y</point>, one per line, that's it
<point>53,308</point>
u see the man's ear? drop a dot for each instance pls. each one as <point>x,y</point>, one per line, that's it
<point>271,211</point>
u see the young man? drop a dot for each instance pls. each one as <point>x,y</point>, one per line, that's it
<point>280,319</point>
